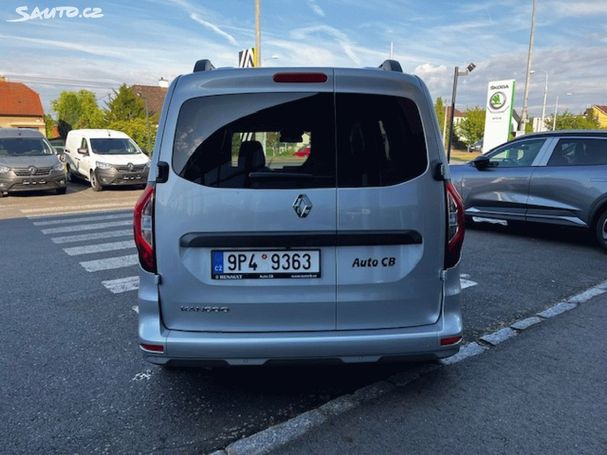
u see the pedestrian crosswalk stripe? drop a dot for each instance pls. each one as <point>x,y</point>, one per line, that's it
<point>467,283</point>
<point>87,227</point>
<point>116,205</point>
<point>92,236</point>
<point>83,219</point>
<point>110,263</point>
<point>99,247</point>
<point>120,285</point>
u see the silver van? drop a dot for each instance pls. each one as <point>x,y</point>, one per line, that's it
<point>29,163</point>
<point>252,251</point>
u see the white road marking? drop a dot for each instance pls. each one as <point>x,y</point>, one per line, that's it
<point>87,227</point>
<point>92,236</point>
<point>99,247</point>
<point>85,219</point>
<point>79,207</point>
<point>465,283</point>
<point>135,308</point>
<point>121,285</point>
<point>110,263</point>
<point>144,375</point>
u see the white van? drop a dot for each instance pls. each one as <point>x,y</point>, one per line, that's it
<point>105,158</point>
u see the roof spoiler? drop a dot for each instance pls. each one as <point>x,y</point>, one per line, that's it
<point>391,65</point>
<point>387,65</point>
<point>203,65</point>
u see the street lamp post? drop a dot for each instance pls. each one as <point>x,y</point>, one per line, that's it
<point>257,33</point>
<point>524,115</point>
<point>556,109</point>
<point>147,123</point>
<point>456,74</point>
<point>542,125</point>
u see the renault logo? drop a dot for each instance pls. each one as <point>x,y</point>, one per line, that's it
<point>32,170</point>
<point>302,206</point>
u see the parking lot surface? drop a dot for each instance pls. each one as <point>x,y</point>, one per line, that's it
<point>73,377</point>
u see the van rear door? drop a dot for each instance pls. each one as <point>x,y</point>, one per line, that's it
<point>245,226</point>
<point>390,210</point>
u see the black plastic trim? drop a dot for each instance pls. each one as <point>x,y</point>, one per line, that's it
<point>163,172</point>
<point>300,239</point>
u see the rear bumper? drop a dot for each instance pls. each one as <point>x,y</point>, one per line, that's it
<point>258,348</point>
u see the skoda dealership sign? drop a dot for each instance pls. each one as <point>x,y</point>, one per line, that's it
<point>498,119</point>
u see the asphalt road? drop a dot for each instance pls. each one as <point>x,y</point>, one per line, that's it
<point>73,379</point>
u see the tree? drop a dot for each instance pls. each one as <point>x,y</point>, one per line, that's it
<point>472,127</point>
<point>125,105</point>
<point>77,110</point>
<point>137,129</point>
<point>49,124</point>
<point>569,121</point>
<point>439,108</point>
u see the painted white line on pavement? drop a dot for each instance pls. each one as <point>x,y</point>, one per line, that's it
<point>110,263</point>
<point>79,207</point>
<point>467,283</point>
<point>121,285</point>
<point>92,236</point>
<point>87,227</point>
<point>78,212</point>
<point>99,247</point>
<point>84,219</point>
<point>135,308</point>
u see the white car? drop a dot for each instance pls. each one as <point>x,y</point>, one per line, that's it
<point>105,158</point>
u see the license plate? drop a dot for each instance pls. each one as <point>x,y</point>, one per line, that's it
<point>265,264</point>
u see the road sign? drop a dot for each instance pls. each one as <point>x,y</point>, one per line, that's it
<point>498,119</point>
<point>246,58</point>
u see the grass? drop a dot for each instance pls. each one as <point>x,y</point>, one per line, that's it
<point>462,156</point>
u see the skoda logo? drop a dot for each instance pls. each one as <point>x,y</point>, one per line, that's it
<point>497,101</point>
<point>302,206</point>
<point>130,166</point>
<point>32,170</point>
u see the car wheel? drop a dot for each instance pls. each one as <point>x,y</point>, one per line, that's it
<point>600,230</point>
<point>61,190</point>
<point>95,185</point>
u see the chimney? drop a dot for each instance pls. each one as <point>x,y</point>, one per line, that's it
<point>162,82</point>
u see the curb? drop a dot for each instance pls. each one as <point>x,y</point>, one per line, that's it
<point>279,435</point>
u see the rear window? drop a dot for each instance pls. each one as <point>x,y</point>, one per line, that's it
<point>579,152</point>
<point>292,140</point>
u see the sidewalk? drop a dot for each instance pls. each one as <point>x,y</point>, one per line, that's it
<point>544,391</point>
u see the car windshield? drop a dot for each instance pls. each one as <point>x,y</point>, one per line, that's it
<point>114,146</point>
<point>24,146</point>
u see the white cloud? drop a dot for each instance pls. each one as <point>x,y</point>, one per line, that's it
<point>316,8</point>
<point>577,8</point>
<point>214,28</point>
<point>304,33</point>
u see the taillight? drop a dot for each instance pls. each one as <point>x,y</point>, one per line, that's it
<point>143,225</point>
<point>455,226</point>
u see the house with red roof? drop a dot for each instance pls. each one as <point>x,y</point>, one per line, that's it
<point>20,106</point>
<point>600,112</point>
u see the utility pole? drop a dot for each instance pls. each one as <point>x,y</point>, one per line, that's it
<point>543,126</point>
<point>455,74</point>
<point>556,110</point>
<point>524,115</point>
<point>257,33</point>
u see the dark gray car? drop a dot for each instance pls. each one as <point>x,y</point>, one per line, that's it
<point>555,177</point>
<point>28,163</point>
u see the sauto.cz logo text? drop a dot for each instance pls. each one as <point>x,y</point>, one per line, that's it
<point>57,12</point>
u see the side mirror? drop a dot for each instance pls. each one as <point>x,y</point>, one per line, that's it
<point>83,152</point>
<point>481,162</point>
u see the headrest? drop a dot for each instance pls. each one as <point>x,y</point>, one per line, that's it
<point>251,155</point>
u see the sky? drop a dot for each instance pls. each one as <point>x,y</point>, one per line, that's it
<point>139,42</point>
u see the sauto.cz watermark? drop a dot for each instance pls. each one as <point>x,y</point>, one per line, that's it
<point>57,12</point>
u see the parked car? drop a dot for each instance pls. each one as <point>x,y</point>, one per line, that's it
<point>28,163</point>
<point>476,146</point>
<point>555,177</point>
<point>105,158</point>
<point>303,152</point>
<point>351,254</point>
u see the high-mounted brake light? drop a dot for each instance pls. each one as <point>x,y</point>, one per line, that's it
<point>143,227</point>
<point>300,77</point>
<point>455,226</point>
